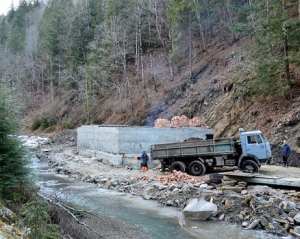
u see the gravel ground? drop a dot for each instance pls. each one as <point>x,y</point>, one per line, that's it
<point>243,206</point>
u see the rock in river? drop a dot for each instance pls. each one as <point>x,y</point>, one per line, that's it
<point>200,210</point>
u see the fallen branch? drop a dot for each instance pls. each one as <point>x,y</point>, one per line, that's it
<point>65,208</point>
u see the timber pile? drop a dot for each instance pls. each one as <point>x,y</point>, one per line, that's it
<point>178,122</point>
<point>176,178</point>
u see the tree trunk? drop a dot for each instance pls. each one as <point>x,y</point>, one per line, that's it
<point>201,30</point>
<point>190,44</point>
<point>252,19</point>
<point>286,46</point>
<point>299,10</point>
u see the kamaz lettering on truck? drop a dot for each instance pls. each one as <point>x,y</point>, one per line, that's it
<point>197,157</point>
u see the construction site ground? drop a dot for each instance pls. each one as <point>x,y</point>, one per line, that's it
<point>280,171</point>
<point>62,156</point>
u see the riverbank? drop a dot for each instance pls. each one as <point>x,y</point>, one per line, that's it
<point>249,206</point>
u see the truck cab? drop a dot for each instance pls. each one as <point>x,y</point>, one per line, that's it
<point>254,146</point>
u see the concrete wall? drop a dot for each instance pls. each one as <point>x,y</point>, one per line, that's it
<point>114,143</point>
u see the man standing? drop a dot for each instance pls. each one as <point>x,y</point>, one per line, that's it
<point>285,152</point>
<point>144,159</point>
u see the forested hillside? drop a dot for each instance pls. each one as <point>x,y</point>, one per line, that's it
<point>234,63</point>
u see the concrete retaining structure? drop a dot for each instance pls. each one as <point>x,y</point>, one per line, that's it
<point>118,145</point>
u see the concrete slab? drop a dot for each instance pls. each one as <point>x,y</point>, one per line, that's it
<point>282,178</point>
<point>114,143</point>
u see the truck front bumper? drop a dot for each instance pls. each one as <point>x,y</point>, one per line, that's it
<point>266,161</point>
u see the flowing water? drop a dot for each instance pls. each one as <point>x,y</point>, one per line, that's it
<point>155,220</point>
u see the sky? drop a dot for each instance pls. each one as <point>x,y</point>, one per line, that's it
<point>5,5</point>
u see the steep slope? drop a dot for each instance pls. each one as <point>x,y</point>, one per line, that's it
<point>209,94</point>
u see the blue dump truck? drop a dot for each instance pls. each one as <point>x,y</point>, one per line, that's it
<point>197,157</point>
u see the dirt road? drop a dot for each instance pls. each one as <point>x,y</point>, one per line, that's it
<point>280,171</point>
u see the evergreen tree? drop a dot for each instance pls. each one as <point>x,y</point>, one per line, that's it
<point>4,33</point>
<point>82,30</point>
<point>181,16</point>
<point>98,8</point>
<point>121,8</point>
<point>18,20</point>
<point>15,175</point>
<point>53,31</point>
<point>16,40</point>
<point>276,46</point>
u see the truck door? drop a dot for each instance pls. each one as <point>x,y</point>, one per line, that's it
<point>255,145</point>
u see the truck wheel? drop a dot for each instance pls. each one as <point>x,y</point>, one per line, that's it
<point>178,166</point>
<point>249,166</point>
<point>197,168</point>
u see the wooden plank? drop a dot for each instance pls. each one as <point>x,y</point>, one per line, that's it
<point>252,175</point>
<point>263,179</point>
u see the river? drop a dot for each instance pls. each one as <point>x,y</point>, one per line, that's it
<point>156,221</point>
<point>153,219</point>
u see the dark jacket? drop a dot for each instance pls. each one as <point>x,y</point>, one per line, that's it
<point>285,150</point>
<point>144,159</point>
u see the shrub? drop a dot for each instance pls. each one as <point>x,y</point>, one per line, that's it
<point>35,125</point>
<point>50,129</point>
<point>66,125</point>
<point>44,123</point>
<point>37,216</point>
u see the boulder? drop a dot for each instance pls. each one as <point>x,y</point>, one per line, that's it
<point>297,230</point>
<point>297,218</point>
<point>200,210</point>
<point>264,221</point>
<point>288,206</point>
<point>235,189</point>
<point>245,224</point>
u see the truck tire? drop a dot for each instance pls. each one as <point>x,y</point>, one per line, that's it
<point>197,168</point>
<point>249,166</point>
<point>178,166</point>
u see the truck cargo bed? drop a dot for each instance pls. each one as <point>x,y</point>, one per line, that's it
<point>193,148</point>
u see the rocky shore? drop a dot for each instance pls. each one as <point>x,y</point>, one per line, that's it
<point>252,207</point>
